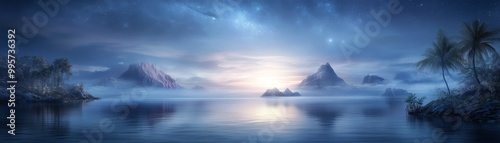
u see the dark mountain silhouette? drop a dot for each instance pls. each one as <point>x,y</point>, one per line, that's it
<point>396,92</point>
<point>288,92</point>
<point>373,80</point>
<point>275,92</point>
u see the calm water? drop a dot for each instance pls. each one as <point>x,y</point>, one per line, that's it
<point>239,120</point>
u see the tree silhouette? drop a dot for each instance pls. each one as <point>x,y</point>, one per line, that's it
<point>61,68</point>
<point>444,55</point>
<point>39,68</point>
<point>476,42</point>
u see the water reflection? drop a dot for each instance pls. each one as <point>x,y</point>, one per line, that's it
<point>136,114</point>
<point>448,124</point>
<point>375,112</point>
<point>395,102</point>
<point>337,119</point>
<point>455,130</point>
<point>52,118</point>
<point>324,113</point>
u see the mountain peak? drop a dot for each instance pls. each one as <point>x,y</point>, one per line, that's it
<point>325,76</point>
<point>326,69</point>
<point>275,92</point>
<point>146,74</point>
<point>287,91</point>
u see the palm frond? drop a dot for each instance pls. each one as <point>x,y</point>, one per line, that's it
<point>443,54</point>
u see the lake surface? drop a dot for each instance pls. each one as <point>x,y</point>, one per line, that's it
<point>238,120</point>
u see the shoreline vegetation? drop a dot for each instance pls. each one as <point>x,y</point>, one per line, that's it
<point>478,95</point>
<point>40,81</point>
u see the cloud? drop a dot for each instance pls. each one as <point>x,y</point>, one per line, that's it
<point>414,77</point>
<point>233,45</point>
<point>77,68</point>
<point>193,81</point>
<point>157,51</point>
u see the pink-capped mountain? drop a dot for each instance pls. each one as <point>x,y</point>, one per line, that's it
<point>145,74</point>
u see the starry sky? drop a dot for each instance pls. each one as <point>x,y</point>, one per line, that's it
<point>240,43</point>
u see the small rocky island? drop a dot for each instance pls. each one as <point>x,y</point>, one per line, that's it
<point>38,80</point>
<point>66,93</point>
<point>373,80</point>
<point>275,92</point>
<point>198,87</point>
<point>396,92</point>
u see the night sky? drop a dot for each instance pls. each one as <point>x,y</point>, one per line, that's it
<point>261,43</point>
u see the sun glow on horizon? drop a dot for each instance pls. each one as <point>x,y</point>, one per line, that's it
<point>258,72</point>
<point>265,79</point>
<point>270,81</point>
<point>270,78</point>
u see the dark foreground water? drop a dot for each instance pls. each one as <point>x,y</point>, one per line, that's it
<point>238,120</point>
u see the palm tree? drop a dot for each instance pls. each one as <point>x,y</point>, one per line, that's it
<point>476,42</point>
<point>443,55</point>
<point>38,67</point>
<point>44,76</point>
<point>61,67</point>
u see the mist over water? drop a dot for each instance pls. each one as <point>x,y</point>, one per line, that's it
<point>146,115</point>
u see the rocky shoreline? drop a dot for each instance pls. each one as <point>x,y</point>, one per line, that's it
<point>67,93</point>
<point>475,106</point>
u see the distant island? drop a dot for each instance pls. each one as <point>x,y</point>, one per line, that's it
<point>146,74</point>
<point>198,87</point>
<point>395,92</point>
<point>275,92</point>
<point>38,80</point>
<point>373,80</point>
<point>324,77</point>
<point>142,74</point>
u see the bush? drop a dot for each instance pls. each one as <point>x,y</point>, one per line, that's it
<point>488,75</point>
<point>414,105</point>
